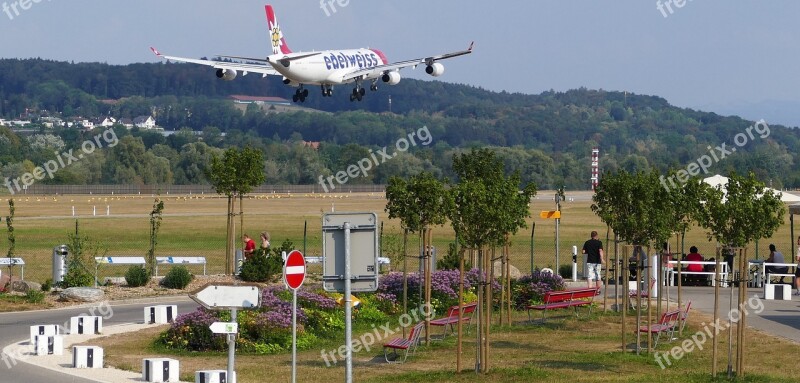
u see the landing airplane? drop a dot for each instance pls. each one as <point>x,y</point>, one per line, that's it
<point>324,69</point>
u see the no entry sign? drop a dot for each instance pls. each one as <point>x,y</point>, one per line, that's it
<point>294,271</point>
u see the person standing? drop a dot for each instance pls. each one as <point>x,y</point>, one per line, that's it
<point>265,240</point>
<point>593,249</point>
<point>249,246</point>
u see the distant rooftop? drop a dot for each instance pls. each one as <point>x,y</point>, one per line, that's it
<point>256,99</point>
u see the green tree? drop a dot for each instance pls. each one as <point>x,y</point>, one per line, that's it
<point>155,224</point>
<point>235,174</point>
<point>740,213</point>
<point>487,207</point>
<point>419,203</point>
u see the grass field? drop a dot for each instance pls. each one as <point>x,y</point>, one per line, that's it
<point>563,350</point>
<point>194,225</point>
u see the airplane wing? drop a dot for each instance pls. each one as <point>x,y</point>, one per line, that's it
<point>243,67</point>
<point>381,69</point>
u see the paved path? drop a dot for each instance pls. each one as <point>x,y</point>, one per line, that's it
<point>779,318</point>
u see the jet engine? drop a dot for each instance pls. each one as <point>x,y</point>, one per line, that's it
<point>391,78</point>
<point>435,69</point>
<point>226,74</point>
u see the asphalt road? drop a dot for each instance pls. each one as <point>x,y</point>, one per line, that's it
<point>15,327</point>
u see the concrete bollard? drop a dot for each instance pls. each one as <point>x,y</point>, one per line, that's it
<point>161,314</point>
<point>49,345</point>
<point>160,370</point>
<point>45,329</point>
<point>86,325</point>
<point>87,357</point>
<point>212,376</point>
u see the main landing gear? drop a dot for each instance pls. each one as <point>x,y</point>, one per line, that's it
<point>359,91</point>
<point>358,94</point>
<point>327,90</point>
<point>300,94</point>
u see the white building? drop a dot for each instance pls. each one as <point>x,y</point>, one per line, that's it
<point>144,122</point>
<point>105,122</point>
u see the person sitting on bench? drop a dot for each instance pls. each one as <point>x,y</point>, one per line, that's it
<point>775,257</point>
<point>694,256</point>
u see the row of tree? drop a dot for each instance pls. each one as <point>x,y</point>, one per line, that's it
<point>484,207</point>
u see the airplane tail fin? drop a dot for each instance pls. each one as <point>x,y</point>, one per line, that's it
<point>275,34</point>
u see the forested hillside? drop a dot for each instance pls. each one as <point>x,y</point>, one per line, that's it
<point>548,137</point>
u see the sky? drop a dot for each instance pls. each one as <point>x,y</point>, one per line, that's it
<point>730,57</point>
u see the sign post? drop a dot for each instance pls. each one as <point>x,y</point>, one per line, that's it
<point>294,273</point>
<point>232,297</point>
<point>350,263</point>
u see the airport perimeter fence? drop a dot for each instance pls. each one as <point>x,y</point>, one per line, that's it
<point>38,253</point>
<point>42,189</point>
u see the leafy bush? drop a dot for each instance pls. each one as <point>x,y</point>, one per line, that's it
<point>530,289</point>
<point>47,285</point>
<point>266,330</point>
<point>191,332</point>
<point>444,288</point>
<point>370,314</point>
<point>137,276</point>
<point>451,260</point>
<point>565,271</point>
<point>81,249</point>
<point>33,296</point>
<point>261,268</point>
<point>177,278</point>
<point>77,277</point>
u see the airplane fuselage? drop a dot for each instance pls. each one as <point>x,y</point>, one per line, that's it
<point>326,67</point>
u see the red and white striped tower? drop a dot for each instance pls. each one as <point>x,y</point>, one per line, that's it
<point>595,167</point>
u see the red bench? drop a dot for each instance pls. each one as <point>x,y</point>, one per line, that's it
<point>409,345</point>
<point>565,299</point>
<point>670,320</point>
<point>451,319</point>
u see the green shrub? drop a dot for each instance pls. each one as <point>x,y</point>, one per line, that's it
<point>33,296</point>
<point>77,277</point>
<point>47,285</point>
<point>565,271</point>
<point>260,268</point>
<point>177,278</point>
<point>450,261</point>
<point>137,276</point>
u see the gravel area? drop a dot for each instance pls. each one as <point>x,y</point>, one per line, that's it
<point>153,289</point>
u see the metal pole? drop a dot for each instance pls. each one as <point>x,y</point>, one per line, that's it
<point>558,264</point>
<point>231,350</point>
<point>532,231</point>
<point>717,282</point>
<point>558,221</point>
<point>294,335</point>
<point>348,310</point>
<point>305,235</point>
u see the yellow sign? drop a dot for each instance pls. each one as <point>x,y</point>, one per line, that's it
<point>550,214</point>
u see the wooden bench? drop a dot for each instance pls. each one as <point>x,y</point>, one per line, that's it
<point>669,321</point>
<point>409,345</point>
<point>565,299</point>
<point>451,319</point>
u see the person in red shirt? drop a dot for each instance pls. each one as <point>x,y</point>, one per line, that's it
<point>694,256</point>
<point>249,246</point>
